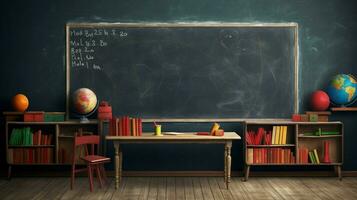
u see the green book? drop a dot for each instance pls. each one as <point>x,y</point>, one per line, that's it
<point>330,133</point>
<point>12,137</point>
<point>311,156</point>
<point>309,134</point>
<point>24,136</point>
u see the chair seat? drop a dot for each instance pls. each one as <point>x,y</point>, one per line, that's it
<point>95,159</point>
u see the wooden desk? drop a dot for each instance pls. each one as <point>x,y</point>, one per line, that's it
<point>184,138</point>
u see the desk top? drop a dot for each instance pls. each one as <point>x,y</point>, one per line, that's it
<point>180,136</point>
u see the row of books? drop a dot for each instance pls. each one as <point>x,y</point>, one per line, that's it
<point>259,137</point>
<point>306,156</point>
<point>277,136</point>
<point>30,155</point>
<point>320,132</point>
<point>270,155</point>
<point>125,126</point>
<point>24,136</point>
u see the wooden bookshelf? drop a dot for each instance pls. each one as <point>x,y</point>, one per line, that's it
<point>59,149</point>
<point>298,136</point>
<point>344,109</point>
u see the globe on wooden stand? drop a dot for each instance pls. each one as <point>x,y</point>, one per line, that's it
<point>84,103</point>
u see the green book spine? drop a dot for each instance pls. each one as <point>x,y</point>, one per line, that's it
<point>18,136</point>
<point>12,137</point>
<point>330,133</point>
<point>311,156</point>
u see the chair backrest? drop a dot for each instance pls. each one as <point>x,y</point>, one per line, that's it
<point>83,141</point>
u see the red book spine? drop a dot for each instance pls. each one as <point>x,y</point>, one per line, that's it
<point>39,137</point>
<point>140,127</point>
<point>264,155</point>
<point>254,156</point>
<point>121,126</point>
<point>125,126</point>
<point>128,131</point>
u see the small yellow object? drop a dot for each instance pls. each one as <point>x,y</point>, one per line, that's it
<point>158,130</point>
<point>214,128</point>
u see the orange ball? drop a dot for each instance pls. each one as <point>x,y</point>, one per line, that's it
<point>20,102</point>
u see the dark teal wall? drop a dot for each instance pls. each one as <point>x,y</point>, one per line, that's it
<point>33,42</point>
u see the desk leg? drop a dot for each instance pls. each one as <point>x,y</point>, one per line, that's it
<point>120,164</point>
<point>228,147</point>
<point>117,165</point>
<point>225,164</point>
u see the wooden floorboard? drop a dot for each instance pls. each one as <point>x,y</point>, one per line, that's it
<point>200,188</point>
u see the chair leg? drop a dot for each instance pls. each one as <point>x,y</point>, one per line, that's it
<point>72,177</point>
<point>90,175</point>
<point>99,175</point>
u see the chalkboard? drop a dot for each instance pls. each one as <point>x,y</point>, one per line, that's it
<point>186,70</point>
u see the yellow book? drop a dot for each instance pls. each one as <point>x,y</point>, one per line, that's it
<point>277,135</point>
<point>316,157</point>
<point>281,134</point>
<point>285,131</point>
<point>273,135</point>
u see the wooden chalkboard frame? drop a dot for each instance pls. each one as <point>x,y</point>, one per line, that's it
<point>292,25</point>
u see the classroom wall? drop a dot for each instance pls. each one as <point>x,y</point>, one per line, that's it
<point>33,53</point>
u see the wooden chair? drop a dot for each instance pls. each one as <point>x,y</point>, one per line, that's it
<point>94,162</point>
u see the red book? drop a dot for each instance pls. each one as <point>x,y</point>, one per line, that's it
<point>124,126</point>
<point>121,126</point>
<point>39,137</point>
<point>265,155</point>
<point>140,127</point>
<point>128,127</point>
<point>137,126</point>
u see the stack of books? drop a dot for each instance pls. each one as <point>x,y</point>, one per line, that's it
<point>125,126</point>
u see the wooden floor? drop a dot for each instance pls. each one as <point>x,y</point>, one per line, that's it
<point>182,188</point>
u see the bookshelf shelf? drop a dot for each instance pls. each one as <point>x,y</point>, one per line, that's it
<point>259,152</point>
<point>43,143</point>
<point>31,146</point>
<point>272,145</point>
<point>65,136</point>
<point>344,109</point>
<point>322,136</point>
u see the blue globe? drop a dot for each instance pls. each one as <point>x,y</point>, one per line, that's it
<point>342,90</point>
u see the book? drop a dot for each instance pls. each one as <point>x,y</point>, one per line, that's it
<point>285,130</point>
<point>273,135</point>
<point>316,157</point>
<point>277,136</point>
<point>312,157</point>
<point>250,155</point>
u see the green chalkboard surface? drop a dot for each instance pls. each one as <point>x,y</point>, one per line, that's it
<point>186,70</point>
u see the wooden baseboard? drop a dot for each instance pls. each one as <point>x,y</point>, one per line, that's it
<point>190,174</point>
<point>236,173</point>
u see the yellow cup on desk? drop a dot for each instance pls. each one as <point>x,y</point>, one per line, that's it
<point>158,130</point>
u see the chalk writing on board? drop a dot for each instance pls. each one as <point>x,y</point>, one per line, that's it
<point>85,42</point>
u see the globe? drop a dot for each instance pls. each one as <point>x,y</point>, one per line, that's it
<point>84,102</point>
<point>342,90</point>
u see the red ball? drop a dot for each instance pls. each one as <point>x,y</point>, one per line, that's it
<point>319,101</point>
